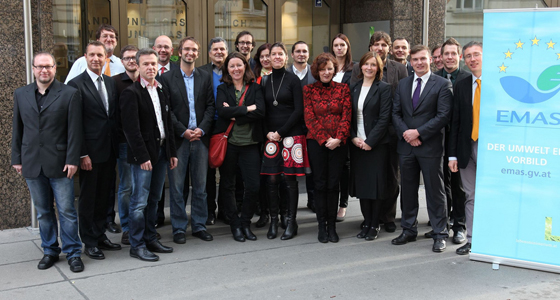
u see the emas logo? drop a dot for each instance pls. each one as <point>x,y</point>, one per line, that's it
<point>518,88</point>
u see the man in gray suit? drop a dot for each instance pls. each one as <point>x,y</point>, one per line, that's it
<point>422,109</point>
<point>46,143</point>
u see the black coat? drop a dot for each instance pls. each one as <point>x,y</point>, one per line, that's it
<point>140,125</point>
<point>461,123</point>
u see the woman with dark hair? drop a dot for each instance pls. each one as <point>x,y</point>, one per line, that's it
<point>285,150</point>
<point>371,112</point>
<point>327,112</point>
<point>240,100</point>
<point>262,62</point>
<point>343,53</point>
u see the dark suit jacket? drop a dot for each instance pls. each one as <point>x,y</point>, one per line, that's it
<point>395,72</point>
<point>308,79</point>
<point>226,93</point>
<point>122,81</point>
<point>376,112</point>
<point>49,138</point>
<point>140,125</point>
<point>409,69</point>
<point>207,68</point>
<point>430,116</point>
<point>100,131</point>
<point>204,106</point>
<point>460,76</point>
<point>172,67</point>
<point>461,122</point>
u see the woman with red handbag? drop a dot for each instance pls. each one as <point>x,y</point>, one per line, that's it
<point>240,103</point>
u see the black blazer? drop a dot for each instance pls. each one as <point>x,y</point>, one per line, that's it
<point>172,67</point>
<point>49,138</point>
<point>308,79</point>
<point>430,117</point>
<point>140,125</point>
<point>460,76</point>
<point>395,72</point>
<point>376,112</point>
<point>226,93</point>
<point>100,130</point>
<point>204,106</point>
<point>207,68</point>
<point>409,69</point>
<point>122,81</point>
<point>461,122</point>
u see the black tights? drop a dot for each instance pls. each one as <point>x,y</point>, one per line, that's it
<point>370,211</point>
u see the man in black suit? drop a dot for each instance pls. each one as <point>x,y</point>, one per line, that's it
<point>192,103</point>
<point>217,53</point>
<point>123,81</point>
<point>151,148</point>
<point>451,56</point>
<point>380,42</point>
<point>422,109</point>
<point>400,52</point>
<point>99,150</point>
<point>46,142</point>
<point>463,138</point>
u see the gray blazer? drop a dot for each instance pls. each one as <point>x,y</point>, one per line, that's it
<point>49,138</point>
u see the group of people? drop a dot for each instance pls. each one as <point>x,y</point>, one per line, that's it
<point>347,126</point>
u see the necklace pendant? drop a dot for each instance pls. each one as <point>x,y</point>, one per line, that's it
<point>275,103</point>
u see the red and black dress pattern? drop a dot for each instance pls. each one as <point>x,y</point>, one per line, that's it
<point>289,157</point>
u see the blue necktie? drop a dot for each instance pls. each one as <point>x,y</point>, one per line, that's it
<point>416,95</point>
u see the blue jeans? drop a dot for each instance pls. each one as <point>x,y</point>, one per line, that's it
<point>195,156</point>
<point>146,192</point>
<point>43,198</point>
<point>125,185</point>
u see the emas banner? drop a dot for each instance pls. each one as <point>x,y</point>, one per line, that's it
<point>517,206</point>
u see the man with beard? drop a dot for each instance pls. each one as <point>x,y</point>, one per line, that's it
<point>245,43</point>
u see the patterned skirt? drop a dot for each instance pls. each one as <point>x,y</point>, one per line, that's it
<point>289,157</point>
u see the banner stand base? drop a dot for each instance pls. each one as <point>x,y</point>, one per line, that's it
<point>514,262</point>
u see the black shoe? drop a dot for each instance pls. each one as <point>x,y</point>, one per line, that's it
<point>390,227</point>
<point>124,239</point>
<point>76,264</point>
<point>157,247</point>
<point>94,253</point>
<point>333,236</point>
<point>211,219</point>
<point>363,232</point>
<point>273,229</point>
<point>263,220</point>
<point>238,235</point>
<point>143,254</point>
<point>464,250</point>
<point>47,261</point>
<point>160,223</point>
<point>179,238</point>
<point>459,236</point>
<point>429,234</point>
<point>439,245</point>
<point>322,236</point>
<point>403,239</point>
<point>372,234</point>
<point>248,233</point>
<point>203,235</point>
<point>283,221</point>
<point>291,230</point>
<point>108,245</point>
<point>112,227</point>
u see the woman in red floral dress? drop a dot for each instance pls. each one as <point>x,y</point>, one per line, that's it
<point>327,112</point>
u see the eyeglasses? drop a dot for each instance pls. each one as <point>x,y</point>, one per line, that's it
<point>245,43</point>
<point>109,36</point>
<point>129,58</point>
<point>474,55</point>
<point>48,68</point>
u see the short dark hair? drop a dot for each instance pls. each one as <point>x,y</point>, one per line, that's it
<point>348,59</point>
<point>471,44</point>
<point>243,33</point>
<point>379,62</point>
<point>320,61</point>
<point>434,48</point>
<point>419,48</point>
<point>451,42</point>
<point>226,77</point>
<point>128,48</point>
<point>400,38</point>
<point>379,35</point>
<point>214,40</point>
<point>188,38</point>
<point>96,44</point>
<point>106,27</point>
<point>44,53</point>
<point>299,43</point>
<point>144,51</point>
<point>257,58</point>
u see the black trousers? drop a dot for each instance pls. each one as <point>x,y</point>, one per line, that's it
<point>326,168</point>
<point>388,209</point>
<point>95,189</point>
<point>455,196</point>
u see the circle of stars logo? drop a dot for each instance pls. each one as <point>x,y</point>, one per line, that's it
<point>534,42</point>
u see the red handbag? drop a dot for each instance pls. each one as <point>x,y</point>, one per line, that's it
<point>218,142</point>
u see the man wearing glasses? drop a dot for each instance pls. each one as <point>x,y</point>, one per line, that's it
<point>46,143</point>
<point>245,43</point>
<point>164,48</point>
<point>109,36</point>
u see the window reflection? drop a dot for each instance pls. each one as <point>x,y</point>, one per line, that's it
<point>234,16</point>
